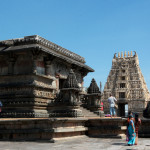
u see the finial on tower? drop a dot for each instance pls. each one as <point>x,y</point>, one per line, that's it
<point>125,55</point>
<point>128,54</point>
<point>131,54</point>
<point>121,54</point>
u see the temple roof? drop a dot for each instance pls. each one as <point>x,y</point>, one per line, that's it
<point>71,81</point>
<point>93,88</point>
<point>37,42</point>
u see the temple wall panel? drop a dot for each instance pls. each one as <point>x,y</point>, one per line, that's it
<point>3,67</point>
<point>22,65</point>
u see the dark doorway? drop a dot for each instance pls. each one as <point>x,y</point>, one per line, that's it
<point>121,110</point>
<point>61,83</point>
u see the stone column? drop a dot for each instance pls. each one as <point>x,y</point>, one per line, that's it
<point>47,66</point>
<point>34,71</point>
<point>11,66</point>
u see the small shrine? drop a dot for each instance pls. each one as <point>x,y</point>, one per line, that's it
<point>69,101</point>
<point>93,99</point>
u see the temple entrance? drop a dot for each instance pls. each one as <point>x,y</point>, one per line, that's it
<point>122,109</point>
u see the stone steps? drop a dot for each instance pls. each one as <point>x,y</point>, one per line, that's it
<point>87,113</point>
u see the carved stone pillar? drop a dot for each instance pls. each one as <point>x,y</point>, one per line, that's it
<point>34,71</point>
<point>47,66</point>
<point>11,66</point>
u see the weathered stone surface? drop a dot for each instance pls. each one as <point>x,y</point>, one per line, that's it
<point>33,71</point>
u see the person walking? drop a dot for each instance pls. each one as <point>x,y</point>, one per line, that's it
<point>111,101</point>
<point>131,131</point>
<point>137,124</point>
<point>128,120</point>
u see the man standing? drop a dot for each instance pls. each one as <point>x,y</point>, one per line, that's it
<point>111,101</point>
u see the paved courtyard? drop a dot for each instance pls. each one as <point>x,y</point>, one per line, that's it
<point>82,143</point>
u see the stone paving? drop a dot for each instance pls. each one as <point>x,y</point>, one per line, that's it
<point>80,143</point>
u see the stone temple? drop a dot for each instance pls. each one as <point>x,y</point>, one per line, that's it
<point>126,82</point>
<point>33,73</point>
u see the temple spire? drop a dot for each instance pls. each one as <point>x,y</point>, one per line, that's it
<point>93,88</point>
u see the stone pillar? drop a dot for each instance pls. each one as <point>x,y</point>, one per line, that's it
<point>34,71</point>
<point>47,66</point>
<point>11,66</point>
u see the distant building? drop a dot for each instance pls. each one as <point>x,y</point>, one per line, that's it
<point>127,84</point>
<point>32,72</point>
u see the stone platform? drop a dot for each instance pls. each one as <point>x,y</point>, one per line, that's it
<point>41,128</point>
<point>54,129</point>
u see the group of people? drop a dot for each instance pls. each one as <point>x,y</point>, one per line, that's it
<point>132,129</point>
<point>132,125</point>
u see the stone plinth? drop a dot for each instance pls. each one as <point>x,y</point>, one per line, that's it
<point>41,129</point>
<point>26,95</point>
<point>107,127</point>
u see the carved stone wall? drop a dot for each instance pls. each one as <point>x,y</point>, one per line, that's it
<point>32,72</point>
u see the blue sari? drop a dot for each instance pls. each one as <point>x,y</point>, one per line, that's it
<point>131,133</point>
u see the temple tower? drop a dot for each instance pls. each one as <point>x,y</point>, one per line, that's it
<point>126,82</point>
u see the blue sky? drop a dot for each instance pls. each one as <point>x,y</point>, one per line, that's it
<point>94,29</point>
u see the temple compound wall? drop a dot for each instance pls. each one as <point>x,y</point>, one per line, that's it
<point>32,72</point>
<point>126,82</point>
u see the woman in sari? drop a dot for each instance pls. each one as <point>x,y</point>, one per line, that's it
<point>128,120</point>
<point>131,131</point>
<point>137,124</point>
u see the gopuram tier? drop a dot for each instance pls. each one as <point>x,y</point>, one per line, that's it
<point>126,82</point>
<point>33,71</point>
